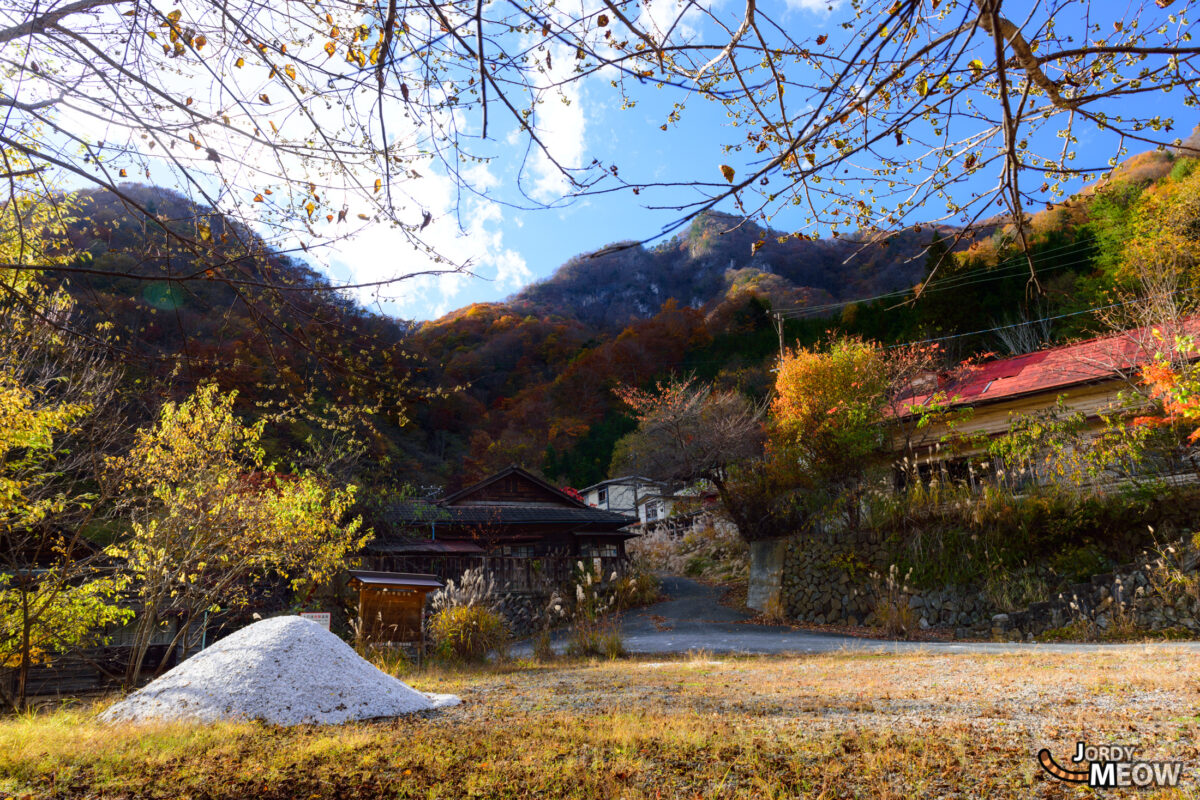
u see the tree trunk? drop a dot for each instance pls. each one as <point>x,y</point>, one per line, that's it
<point>179,634</point>
<point>141,643</point>
<point>23,668</point>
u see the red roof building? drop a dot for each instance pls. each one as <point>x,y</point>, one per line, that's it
<point>1089,376</point>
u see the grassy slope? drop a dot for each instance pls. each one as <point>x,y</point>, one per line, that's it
<point>827,726</point>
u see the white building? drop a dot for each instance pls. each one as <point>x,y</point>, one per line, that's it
<point>623,495</point>
<point>651,501</point>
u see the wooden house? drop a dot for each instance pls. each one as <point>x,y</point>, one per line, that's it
<point>982,401</point>
<point>528,534</point>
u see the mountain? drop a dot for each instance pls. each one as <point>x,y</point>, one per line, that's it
<point>717,253</point>
<point>529,380</point>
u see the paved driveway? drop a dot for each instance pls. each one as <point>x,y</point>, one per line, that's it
<point>691,618</point>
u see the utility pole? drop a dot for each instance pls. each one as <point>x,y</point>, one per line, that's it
<point>779,329</point>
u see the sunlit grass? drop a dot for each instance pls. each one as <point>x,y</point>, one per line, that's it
<point>838,725</point>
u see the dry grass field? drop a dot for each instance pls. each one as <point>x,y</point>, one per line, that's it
<point>845,725</point>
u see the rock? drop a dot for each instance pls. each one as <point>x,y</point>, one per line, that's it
<point>923,624</point>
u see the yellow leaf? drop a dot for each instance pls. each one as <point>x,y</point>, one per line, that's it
<point>363,216</point>
<point>290,71</point>
<point>241,62</point>
<point>175,15</point>
<point>310,208</point>
<point>330,48</point>
<point>258,198</point>
<point>205,231</point>
<point>976,67</point>
<point>200,41</point>
<point>264,98</point>
<point>152,34</point>
<point>728,172</point>
<point>124,174</point>
<point>378,184</point>
<point>602,20</point>
<point>922,85</point>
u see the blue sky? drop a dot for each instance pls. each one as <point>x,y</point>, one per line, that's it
<point>530,244</point>
<point>510,244</point>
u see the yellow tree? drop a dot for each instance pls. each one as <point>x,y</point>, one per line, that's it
<point>210,516</point>
<point>47,602</point>
<point>55,392</point>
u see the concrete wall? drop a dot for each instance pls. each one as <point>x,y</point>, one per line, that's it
<point>766,573</point>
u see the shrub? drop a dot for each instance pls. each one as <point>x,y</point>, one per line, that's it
<point>543,649</point>
<point>468,633</point>
<point>466,625</point>
<point>711,551</point>
<point>473,588</point>
<point>636,588</point>
<point>1013,591</point>
<point>1076,564</point>
<point>891,603</point>
<point>952,535</point>
<point>594,630</point>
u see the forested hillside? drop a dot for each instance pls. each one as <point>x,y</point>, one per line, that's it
<point>529,380</point>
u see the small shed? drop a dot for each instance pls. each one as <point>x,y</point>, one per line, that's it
<point>391,605</point>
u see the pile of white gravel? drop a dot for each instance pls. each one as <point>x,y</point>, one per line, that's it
<point>285,671</point>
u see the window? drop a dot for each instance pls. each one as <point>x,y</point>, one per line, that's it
<point>593,550</point>
<point>602,495</point>
<point>651,511</point>
<point>518,550</point>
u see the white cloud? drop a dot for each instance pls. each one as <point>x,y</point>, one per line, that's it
<point>384,253</point>
<point>561,124</point>
<point>822,7</point>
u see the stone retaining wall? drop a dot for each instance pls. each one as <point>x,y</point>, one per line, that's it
<point>830,582</point>
<point>1156,592</point>
<point>525,613</point>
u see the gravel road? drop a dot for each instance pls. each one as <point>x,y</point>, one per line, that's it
<point>692,618</point>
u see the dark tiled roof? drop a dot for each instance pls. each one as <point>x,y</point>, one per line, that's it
<point>423,547</point>
<point>504,514</point>
<point>525,475</point>
<point>396,579</point>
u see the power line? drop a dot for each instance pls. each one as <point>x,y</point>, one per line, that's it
<point>1014,325</point>
<point>998,272</point>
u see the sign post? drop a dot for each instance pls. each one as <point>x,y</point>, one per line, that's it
<point>322,618</point>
